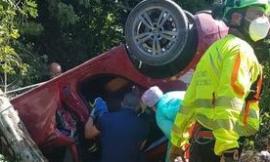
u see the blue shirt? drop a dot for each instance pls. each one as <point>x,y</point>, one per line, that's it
<point>166,110</point>
<point>122,133</point>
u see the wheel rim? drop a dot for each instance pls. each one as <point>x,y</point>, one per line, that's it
<point>155,31</point>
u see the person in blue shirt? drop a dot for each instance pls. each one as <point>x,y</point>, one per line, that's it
<point>122,133</point>
<point>165,107</point>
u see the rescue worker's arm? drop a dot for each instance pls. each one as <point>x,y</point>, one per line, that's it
<point>183,121</point>
<point>166,112</point>
<point>165,125</point>
<point>179,134</point>
<point>237,74</point>
<point>90,130</point>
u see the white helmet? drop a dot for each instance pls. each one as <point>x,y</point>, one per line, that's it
<point>151,96</point>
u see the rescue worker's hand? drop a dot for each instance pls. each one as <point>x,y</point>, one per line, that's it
<point>90,130</point>
<point>175,153</point>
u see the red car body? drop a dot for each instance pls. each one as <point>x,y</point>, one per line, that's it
<point>37,107</point>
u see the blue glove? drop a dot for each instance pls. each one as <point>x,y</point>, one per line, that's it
<point>100,107</point>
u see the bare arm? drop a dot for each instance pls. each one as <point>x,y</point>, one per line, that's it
<point>90,130</point>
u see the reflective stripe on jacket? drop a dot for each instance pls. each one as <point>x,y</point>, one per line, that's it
<point>216,97</point>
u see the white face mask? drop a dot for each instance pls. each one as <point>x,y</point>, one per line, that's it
<point>259,28</point>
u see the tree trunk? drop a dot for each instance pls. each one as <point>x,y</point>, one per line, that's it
<point>15,138</point>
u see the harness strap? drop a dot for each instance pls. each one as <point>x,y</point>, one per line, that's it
<point>205,134</point>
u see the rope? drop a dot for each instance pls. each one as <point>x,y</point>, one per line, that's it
<point>23,88</point>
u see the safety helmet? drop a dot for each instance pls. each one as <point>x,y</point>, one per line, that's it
<point>230,5</point>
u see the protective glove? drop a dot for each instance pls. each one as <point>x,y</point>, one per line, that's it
<point>100,107</point>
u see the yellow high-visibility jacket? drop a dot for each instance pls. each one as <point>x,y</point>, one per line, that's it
<point>217,95</point>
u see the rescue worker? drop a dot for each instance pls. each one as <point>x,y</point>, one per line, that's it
<point>222,99</point>
<point>122,133</point>
<point>165,107</point>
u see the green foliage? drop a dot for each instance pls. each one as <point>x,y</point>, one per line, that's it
<point>195,5</point>
<point>31,29</point>
<point>17,19</point>
<point>66,14</point>
<point>28,8</point>
<point>8,33</point>
<point>15,23</point>
<point>264,132</point>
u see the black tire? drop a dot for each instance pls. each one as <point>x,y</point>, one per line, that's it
<point>164,37</point>
<point>168,65</point>
<point>190,16</point>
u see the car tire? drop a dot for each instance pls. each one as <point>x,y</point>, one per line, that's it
<point>156,32</point>
<point>178,55</point>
